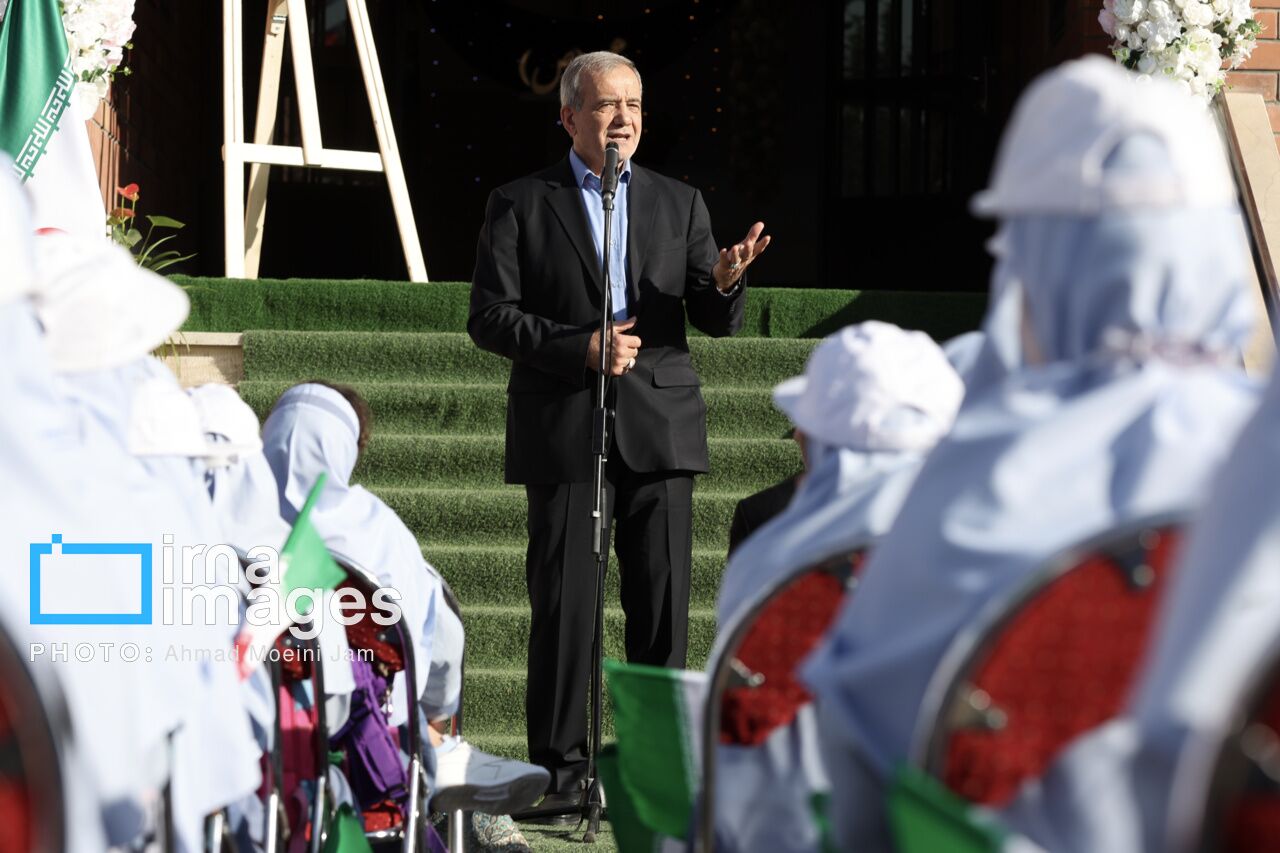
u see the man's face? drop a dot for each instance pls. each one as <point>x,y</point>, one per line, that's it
<point>610,113</point>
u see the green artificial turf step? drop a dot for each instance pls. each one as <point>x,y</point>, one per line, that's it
<point>439,408</point>
<point>498,636</point>
<point>497,516</point>
<point>435,357</point>
<point>491,693</point>
<point>481,408</point>
<point>234,305</point>
<point>494,574</point>
<point>738,465</point>
<point>504,742</point>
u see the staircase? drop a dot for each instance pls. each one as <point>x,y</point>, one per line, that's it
<point>436,455</point>
<point>436,458</point>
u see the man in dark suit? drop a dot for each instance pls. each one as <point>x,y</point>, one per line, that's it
<point>536,299</point>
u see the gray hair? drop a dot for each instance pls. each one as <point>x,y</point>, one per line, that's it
<point>590,63</point>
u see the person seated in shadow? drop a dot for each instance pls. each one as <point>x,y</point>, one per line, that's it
<point>872,402</point>
<point>320,427</point>
<point>1109,389</point>
<point>754,511</point>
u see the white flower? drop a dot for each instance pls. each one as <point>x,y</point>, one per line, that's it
<point>97,32</point>
<point>1198,14</point>
<point>1186,41</point>
<point>1129,11</point>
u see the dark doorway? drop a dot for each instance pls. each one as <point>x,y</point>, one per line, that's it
<point>857,129</point>
<point>920,106</point>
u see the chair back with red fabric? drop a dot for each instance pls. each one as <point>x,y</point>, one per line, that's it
<point>1242,807</point>
<point>31,804</point>
<point>1050,664</point>
<point>391,651</point>
<point>298,758</point>
<point>784,630</point>
<point>753,689</point>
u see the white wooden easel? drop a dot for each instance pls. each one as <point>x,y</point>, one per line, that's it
<point>244,228</point>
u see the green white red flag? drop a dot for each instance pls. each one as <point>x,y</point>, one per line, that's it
<point>39,127</point>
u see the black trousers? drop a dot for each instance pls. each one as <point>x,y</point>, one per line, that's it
<point>653,540</point>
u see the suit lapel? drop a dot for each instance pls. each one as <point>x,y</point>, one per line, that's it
<point>641,207</point>
<point>565,200</point>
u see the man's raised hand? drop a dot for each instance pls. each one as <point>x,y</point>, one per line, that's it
<point>733,261</point>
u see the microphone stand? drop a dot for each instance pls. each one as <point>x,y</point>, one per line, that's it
<point>591,805</point>
<point>601,424</point>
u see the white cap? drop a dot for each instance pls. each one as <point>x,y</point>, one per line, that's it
<point>163,421</point>
<point>872,387</point>
<point>17,264</point>
<point>1071,118</point>
<point>100,309</point>
<point>223,414</point>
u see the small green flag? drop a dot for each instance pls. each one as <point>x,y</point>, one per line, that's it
<point>305,561</point>
<point>346,833</point>
<point>631,833</point>
<point>927,817</point>
<point>657,717</point>
<point>305,564</point>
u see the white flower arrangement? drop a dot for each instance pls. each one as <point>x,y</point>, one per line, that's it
<point>1187,41</point>
<point>98,33</point>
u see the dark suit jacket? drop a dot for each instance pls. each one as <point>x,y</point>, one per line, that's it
<point>536,298</point>
<point>754,511</point>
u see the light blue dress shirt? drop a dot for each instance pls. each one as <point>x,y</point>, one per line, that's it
<point>589,187</point>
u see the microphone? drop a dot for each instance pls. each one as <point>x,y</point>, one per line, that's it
<point>609,175</point>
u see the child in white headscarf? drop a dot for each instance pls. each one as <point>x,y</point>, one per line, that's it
<point>872,402</point>
<point>316,428</point>
<point>1143,781</point>
<point>1108,389</point>
<point>102,315</point>
<point>117,714</point>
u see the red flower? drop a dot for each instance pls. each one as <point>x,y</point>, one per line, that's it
<point>122,213</point>
<point>130,192</point>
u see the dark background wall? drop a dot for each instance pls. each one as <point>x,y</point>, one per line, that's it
<point>857,130</point>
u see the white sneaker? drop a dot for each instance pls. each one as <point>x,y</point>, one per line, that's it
<point>470,780</point>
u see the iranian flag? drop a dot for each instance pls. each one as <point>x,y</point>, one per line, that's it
<point>39,128</point>
<point>653,773</point>
<point>305,564</point>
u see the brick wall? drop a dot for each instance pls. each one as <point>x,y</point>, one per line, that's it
<point>104,142</point>
<point>1261,73</point>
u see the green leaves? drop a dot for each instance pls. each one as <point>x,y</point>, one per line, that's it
<point>142,246</point>
<point>165,222</point>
